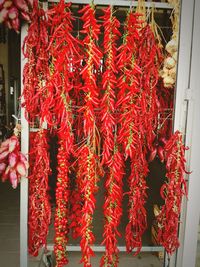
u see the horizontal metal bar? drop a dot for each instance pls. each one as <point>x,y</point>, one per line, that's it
<point>123,3</point>
<point>102,248</point>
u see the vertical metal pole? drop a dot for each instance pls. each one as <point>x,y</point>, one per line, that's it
<point>24,180</point>
<point>184,59</point>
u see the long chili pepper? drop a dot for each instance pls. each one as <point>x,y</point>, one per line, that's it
<point>172,192</point>
<point>36,69</point>
<point>39,205</point>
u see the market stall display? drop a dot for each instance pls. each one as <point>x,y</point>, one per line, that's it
<point>104,101</point>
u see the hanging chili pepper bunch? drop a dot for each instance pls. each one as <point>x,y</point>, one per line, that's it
<point>36,68</point>
<point>39,205</point>
<point>63,52</point>
<point>130,130</point>
<point>164,128</point>
<point>113,207</point>
<point>87,158</point>
<point>13,164</point>
<point>111,156</point>
<point>62,198</point>
<point>128,84</point>
<point>149,84</point>
<point>172,192</point>
<point>149,59</point>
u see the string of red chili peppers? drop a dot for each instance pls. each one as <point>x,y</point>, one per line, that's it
<point>164,124</point>
<point>39,205</point>
<point>149,59</point>
<point>113,207</point>
<point>36,68</point>
<point>109,82</point>
<point>62,49</point>
<point>111,156</point>
<point>131,127</point>
<point>62,205</point>
<point>172,192</point>
<point>87,156</point>
<point>128,84</point>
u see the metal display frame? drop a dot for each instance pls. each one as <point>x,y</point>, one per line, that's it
<point>186,108</point>
<point>187,119</point>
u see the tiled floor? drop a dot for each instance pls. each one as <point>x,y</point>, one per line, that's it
<point>9,239</point>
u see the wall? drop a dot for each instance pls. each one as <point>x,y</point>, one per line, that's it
<point>10,58</point>
<point>4,61</point>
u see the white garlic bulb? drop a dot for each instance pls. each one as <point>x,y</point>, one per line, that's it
<point>172,46</point>
<point>172,72</point>
<point>168,82</point>
<point>169,62</point>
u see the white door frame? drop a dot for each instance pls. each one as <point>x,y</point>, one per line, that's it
<point>186,256</point>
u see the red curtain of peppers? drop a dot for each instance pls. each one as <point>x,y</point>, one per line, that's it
<point>62,86</point>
